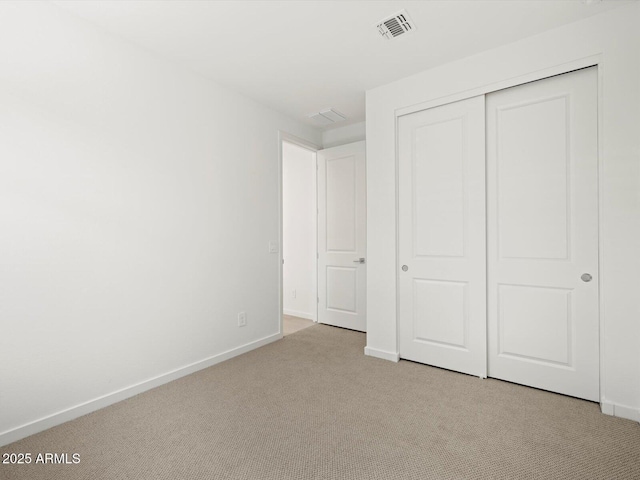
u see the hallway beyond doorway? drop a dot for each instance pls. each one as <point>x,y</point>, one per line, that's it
<point>293,324</point>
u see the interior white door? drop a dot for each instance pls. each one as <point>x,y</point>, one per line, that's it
<point>342,240</point>
<point>542,179</point>
<point>442,248</point>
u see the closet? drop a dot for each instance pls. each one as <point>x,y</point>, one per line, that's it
<point>498,235</point>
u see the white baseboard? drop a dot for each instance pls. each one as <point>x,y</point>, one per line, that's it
<point>294,313</point>
<point>373,352</point>
<point>622,411</point>
<point>76,411</point>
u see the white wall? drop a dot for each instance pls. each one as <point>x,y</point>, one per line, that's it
<point>343,135</point>
<point>136,203</point>
<point>614,38</point>
<point>299,231</point>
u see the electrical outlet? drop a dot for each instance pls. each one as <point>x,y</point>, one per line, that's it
<point>293,293</point>
<point>242,319</point>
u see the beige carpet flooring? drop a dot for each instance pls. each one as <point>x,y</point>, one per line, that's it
<point>312,406</point>
<point>291,324</point>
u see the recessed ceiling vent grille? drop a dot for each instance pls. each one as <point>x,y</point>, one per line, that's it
<point>327,117</point>
<point>396,25</point>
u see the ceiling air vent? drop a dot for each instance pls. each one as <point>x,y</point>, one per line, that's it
<point>395,25</point>
<point>326,117</point>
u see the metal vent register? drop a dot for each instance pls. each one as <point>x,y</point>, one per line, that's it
<point>395,25</point>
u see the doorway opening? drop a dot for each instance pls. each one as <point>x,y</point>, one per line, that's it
<point>299,236</point>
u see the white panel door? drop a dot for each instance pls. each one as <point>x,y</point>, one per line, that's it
<point>342,234</point>
<point>542,181</point>
<point>442,251</point>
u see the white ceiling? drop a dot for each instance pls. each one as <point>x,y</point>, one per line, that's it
<point>299,57</point>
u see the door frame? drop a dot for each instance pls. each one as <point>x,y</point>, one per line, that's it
<point>313,148</point>
<point>590,61</point>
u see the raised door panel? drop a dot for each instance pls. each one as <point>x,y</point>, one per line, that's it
<point>342,292</point>
<point>535,324</point>
<point>533,188</point>
<point>440,313</point>
<point>341,204</point>
<point>438,189</point>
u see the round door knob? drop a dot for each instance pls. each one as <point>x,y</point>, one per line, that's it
<point>404,268</point>
<point>586,277</point>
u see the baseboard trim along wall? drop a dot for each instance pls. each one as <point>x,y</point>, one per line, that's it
<point>63,416</point>
<point>294,313</point>
<point>622,411</point>
<point>391,356</point>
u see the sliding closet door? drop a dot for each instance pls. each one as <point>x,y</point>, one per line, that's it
<point>542,184</point>
<point>442,252</point>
